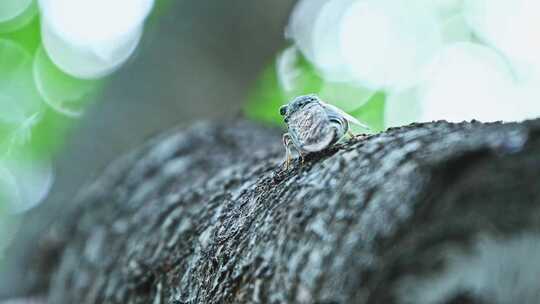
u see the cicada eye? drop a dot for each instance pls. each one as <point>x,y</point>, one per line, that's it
<point>283,110</point>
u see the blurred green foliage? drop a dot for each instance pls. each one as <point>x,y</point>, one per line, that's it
<point>268,95</point>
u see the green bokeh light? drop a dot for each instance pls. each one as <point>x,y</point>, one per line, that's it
<point>15,15</point>
<point>65,94</point>
<point>19,100</point>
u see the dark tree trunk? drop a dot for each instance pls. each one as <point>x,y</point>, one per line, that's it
<point>428,213</point>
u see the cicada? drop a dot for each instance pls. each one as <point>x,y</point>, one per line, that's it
<point>313,125</point>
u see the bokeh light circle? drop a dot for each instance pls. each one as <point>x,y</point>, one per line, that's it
<point>88,62</point>
<point>15,14</point>
<point>513,27</point>
<point>387,42</point>
<point>327,55</point>
<point>89,22</point>
<point>9,191</point>
<point>468,81</point>
<point>62,92</point>
<point>287,69</point>
<point>19,99</point>
<point>301,24</point>
<point>25,183</point>
<point>91,39</point>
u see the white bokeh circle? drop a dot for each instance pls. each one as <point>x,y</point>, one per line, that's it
<point>301,24</point>
<point>90,39</point>
<point>468,81</point>
<point>385,42</point>
<point>512,27</point>
<point>25,183</point>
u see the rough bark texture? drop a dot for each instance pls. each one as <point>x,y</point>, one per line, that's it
<point>417,214</point>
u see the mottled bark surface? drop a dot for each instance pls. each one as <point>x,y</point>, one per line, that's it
<point>209,215</point>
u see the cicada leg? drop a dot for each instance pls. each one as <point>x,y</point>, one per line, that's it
<point>355,136</point>
<point>286,141</point>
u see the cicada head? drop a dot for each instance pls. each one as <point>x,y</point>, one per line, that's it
<point>297,104</point>
<point>301,101</point>
<point>283,110</point>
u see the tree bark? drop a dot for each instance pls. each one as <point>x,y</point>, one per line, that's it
<point>425,213</point>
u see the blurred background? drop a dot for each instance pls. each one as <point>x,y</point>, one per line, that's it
<point>84,81</point>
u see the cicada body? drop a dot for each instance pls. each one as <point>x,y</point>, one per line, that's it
<point>313,125</point>
<point>313,128</point>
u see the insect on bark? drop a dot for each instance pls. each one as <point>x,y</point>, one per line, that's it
<point>313,125</point>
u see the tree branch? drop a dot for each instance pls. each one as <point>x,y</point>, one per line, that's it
<point>209,215</point>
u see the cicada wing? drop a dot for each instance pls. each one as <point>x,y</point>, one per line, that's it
<point>348,117</point>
